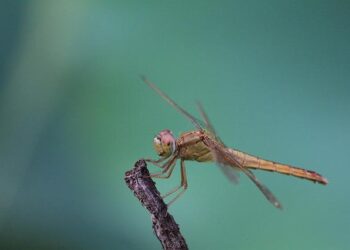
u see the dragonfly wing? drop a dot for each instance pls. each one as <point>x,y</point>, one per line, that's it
<point>225,157</point>
<point>193,119</point>
<point>267,193</point>
<point>207,122</point>
<point>231,173</point>
<point>205,117</point>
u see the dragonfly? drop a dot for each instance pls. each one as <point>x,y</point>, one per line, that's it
<point>204,145</point>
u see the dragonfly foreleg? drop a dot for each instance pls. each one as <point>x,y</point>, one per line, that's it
<point>167,167</point>
<point>156,162</point>
<point>183,185</point>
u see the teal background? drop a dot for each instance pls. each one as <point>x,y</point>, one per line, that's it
<point>74,116</point>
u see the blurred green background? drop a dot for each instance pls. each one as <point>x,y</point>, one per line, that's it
<point>74,116</point>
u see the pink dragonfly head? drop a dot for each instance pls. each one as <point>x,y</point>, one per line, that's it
<point>164,143</point>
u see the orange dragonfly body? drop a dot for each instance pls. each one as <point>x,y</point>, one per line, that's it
<point>203,145</point>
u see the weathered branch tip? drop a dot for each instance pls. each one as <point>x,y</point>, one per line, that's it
<point>164,225</point>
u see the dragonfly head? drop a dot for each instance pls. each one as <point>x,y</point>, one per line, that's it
<point>164,143</point>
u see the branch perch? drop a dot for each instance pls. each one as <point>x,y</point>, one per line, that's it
<point>164,225</point>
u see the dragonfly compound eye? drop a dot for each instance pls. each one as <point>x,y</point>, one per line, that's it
<point>164,143</point>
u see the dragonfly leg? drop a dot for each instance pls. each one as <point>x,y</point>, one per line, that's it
<point>156,162</point>
<point>183,185</point>
<point>167,167</point>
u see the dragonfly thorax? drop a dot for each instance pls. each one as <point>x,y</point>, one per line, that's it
<point>164,143</point>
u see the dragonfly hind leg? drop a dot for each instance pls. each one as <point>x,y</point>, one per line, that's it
<point>183,185</point>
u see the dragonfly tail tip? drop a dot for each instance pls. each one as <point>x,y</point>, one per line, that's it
<point>324,181</point>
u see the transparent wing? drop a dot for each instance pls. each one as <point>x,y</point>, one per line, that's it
<point>190,117</point>
<point>228,159</point>
<point>206,120</point>
<point>231,173</point>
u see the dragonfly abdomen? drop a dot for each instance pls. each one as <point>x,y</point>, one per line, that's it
<point>254,162</point>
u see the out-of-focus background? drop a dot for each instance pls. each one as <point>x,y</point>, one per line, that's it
<point>74,116</point>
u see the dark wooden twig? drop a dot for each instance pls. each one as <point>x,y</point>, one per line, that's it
<point>164,225</point>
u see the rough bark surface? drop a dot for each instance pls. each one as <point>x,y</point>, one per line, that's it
<point>164,225</point>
